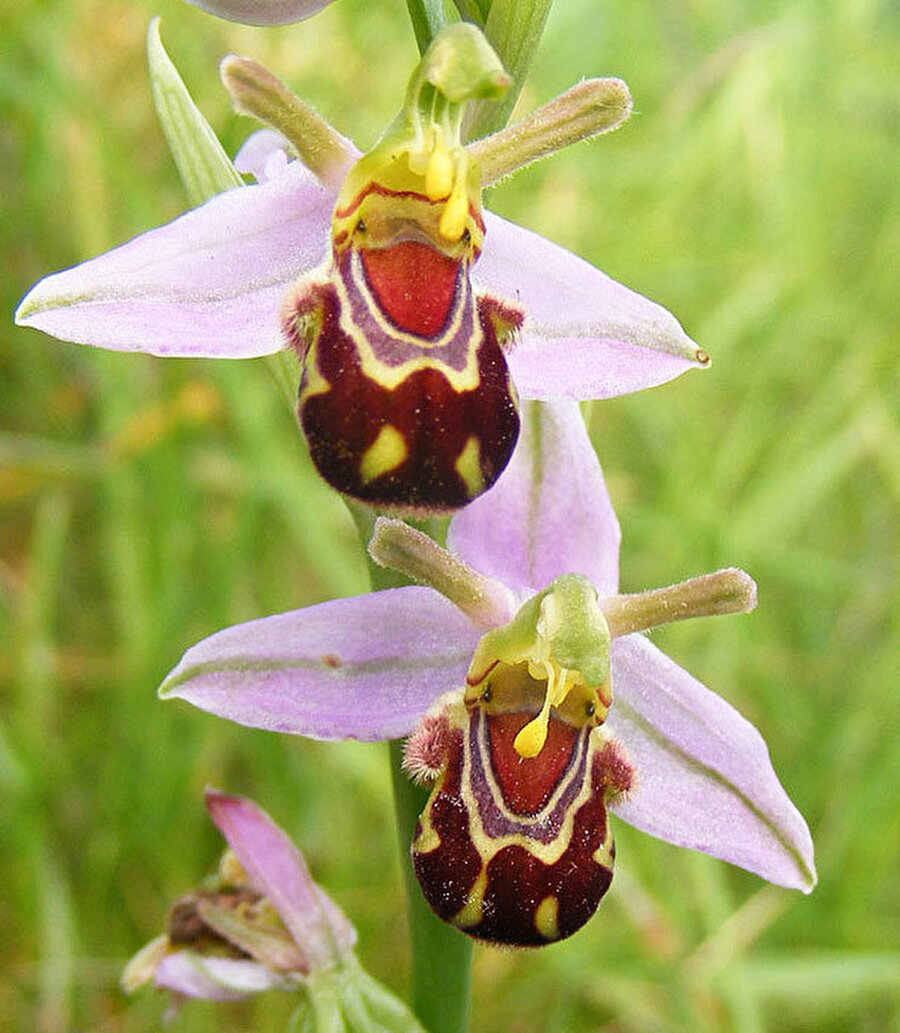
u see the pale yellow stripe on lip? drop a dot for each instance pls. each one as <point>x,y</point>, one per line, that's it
<point>385,453</point>
<point>466,379</point>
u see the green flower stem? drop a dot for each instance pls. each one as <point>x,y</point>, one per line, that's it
<point>442,957</point>
<point>427,17</point>
<point>513,28</point>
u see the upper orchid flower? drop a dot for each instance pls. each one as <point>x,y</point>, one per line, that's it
<point>412,311</point>
<point>262,923</point>
<point>566,711</point>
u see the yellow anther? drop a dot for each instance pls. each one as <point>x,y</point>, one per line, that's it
<point>439,171</point>
<point>456,211</point>
<point>530,740</point>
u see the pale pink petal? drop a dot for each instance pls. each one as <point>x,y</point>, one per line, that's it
<point>361,668</point>
<point>705,780</point>
<point>276,869</point>
<point>548,514</point>
<point>262,12</point>
<point>208,284</point>
<point>585,336</point>
<point>264,155</point>
<point>216,979</point>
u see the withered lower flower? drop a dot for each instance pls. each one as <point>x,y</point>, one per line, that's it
<point>262,923</point>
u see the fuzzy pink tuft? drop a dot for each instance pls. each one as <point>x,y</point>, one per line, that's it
<point>425,752</point>
<point>618,774</point>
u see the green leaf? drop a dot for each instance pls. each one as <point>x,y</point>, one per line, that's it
<point>204,167</point>
<point>513,29</point>
<point>427,17</point>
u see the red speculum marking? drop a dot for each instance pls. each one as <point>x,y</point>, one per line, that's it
<point>527,783</point>
<point>414,285</point>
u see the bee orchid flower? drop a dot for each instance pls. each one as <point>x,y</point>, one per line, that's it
<point>418,318</point>
<point>559,708</point>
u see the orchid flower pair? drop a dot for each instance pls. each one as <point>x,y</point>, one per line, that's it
<point>416,332</point>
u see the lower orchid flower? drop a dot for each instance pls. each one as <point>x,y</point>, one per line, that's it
<point>558,711</point>
<point>262,923</point>
<point>417,318</point>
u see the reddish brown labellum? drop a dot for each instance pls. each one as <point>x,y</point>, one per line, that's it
<point>518,851</point>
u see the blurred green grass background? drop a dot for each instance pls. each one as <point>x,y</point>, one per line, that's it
<point>146,503</point>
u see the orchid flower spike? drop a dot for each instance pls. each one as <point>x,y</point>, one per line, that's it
<point>261,923</point>
<point>417,318</point>
<point>537,706</point>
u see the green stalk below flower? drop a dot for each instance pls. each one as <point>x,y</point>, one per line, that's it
<point>441,956</point>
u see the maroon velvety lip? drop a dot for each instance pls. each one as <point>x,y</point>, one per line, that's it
<point>435,421</point>
<point>495,878</point>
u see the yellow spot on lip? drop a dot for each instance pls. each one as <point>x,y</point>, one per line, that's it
<point>603,855</point>
<point>468,466</point>
<point>385,453</point>
<point>470,914</point>
<point>546,918</point>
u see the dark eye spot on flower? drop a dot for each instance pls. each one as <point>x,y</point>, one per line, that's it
<point>487,695</point>
<point>360,227</point>
<point>590,709</point>
<point>330,660</point>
